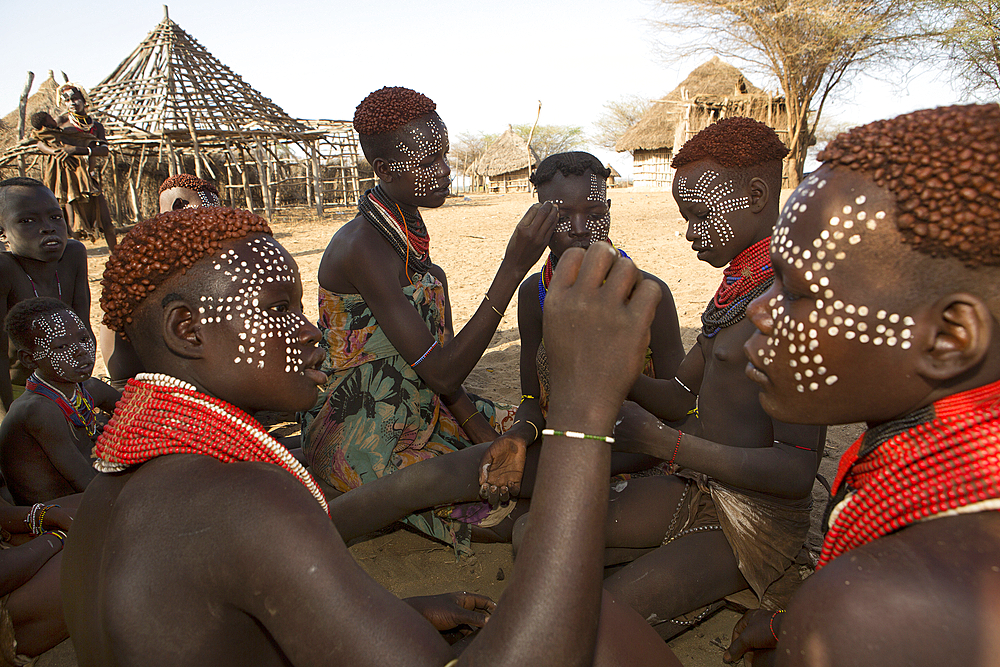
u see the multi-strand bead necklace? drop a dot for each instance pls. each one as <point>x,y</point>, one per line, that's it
<point>747,277</point>
<point>159,415</point>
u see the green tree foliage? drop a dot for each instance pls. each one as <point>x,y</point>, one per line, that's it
<point>467,147</point>
<point>549,139</point>
<point>618,116</point>
<point>971,38</point>
<point>810,47</point>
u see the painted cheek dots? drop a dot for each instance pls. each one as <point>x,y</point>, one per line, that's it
<point>65,360</point>
<point>720,201</point>
<point>830,316</point>
<point>427,139</point>
<point>260,263</point>
<point>598,193</point>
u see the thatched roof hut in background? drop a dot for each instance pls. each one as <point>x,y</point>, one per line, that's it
<point>172,107</point>
<point>613,175</point>
<point>43,99</point>
<point>507,163</point>
<point>712,91</point>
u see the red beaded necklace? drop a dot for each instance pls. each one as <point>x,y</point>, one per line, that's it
<point>159,415</point>
<point>941,460</point>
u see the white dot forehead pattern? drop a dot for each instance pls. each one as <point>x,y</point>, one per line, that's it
<point>428,139</point>
<point>257,264</point>
<point>66,358</point>
<point>719,199</point>
<point>831,315</point>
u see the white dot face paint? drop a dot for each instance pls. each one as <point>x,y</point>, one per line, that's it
<point>423,143</point>
<point>259,323</point>
<point>584,213</point>
<point>827,313</point>
<point>63,347</point>
<point>718,196</point>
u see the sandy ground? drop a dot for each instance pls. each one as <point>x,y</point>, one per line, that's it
<point>468,238</point>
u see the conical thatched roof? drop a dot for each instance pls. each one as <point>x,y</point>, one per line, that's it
<point>44,99</point>
<point>713,82</point>
<point>170,75</point>
<point>508,153</point>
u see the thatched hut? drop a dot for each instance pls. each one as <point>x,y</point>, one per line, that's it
<point>613,176</point>
<point>43,99</point>
<point>712,91</point>
<point>507,163</point>
<point>172,107</point>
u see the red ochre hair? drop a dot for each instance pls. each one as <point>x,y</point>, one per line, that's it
<point>389,109</point>
<point>735,143</point>
<point>941,167</point>
<point>159,248</point>
<point>190,182</point>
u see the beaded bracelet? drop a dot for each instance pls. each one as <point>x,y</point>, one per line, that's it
<point>61,534</point>
<point>424,355</point>
<point>469,417</point>
<point>29,520</point>
<point>578,435</point>
<point>770,623</point>
<point>492,306</point>
<point>684,386</point>
<point>677,447</point>
<point>525,397</point>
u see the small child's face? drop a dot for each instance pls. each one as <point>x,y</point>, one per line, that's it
<point>715,210</point>
<point>421,164</point>
<point>33,223</point>
<point>584,210</point>
<point>64,349</point>
<point>268,347</point>
<point>833,345</point>
<point>49,121</point>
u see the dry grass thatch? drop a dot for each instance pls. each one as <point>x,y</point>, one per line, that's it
<point>509,153</point>
<point>43,99</point>
<point>713,90</point>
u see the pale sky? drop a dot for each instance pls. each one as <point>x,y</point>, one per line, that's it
<point>486,64</point>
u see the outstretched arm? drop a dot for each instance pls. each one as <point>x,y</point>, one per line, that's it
<point>597,319</point>
<point>444,367</point>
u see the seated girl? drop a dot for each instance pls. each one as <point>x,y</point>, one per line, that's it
<point>505,469</point>
<point>396,368</point>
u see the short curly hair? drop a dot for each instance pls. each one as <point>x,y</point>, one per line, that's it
<point>572,163</point>
<point>190,182</point>
<point>390,108</point>
<point>159,248</point>
<point>941,166</point>
<point>22,316</point>
<point>735,143</point>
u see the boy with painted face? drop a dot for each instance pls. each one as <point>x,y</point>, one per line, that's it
<point>46,438</point>
<point>737,512</point>
<point>40,261</point>
<point>396,367</point>
<point>886,270</point>
<point>217,320</point>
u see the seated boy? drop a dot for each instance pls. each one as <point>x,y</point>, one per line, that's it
<point>737,513</point>
<point>176,192</point>
<point>244,565</point>
<point>576,183</point>
<point>396,365</point>
<point>46,438</point>
<point>40,261</point>
<point>903,309</point>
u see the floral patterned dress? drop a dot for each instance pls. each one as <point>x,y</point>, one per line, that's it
<point>376,415</point>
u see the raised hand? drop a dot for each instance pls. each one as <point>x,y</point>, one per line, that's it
<point>531,236</point>
<point>501,469</point>
<point>596,322</point>
<point>449,611</point>
<point>754,633</point>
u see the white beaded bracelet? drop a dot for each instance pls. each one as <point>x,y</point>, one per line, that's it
<point>578,435</point>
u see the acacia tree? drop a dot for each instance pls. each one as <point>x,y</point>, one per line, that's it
<point>971,37</point>
<point>618,116</point>
<point>809,46</point>
<point>549,139</point>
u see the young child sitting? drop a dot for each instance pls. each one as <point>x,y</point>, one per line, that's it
<point>505,469</point>
<point>46,438</point>
<point>903,309</point>
<point>737,512</point>
<point>396,366</point>
<point>40,261</point>
<point>244,566</point>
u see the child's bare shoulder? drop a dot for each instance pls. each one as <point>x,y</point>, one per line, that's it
<point>33,413</point>
<point>75,254</point>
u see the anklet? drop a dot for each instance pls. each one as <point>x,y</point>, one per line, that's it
<point>578,435</point>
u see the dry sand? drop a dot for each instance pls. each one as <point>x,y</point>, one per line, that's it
<point>468,237</point>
